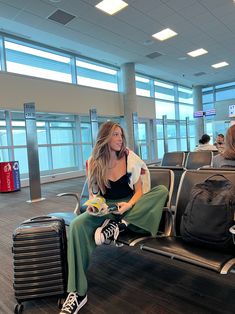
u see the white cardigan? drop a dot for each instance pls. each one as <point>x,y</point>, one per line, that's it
<point>137,168</point>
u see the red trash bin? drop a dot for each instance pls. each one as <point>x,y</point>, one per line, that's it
<point>9,176</point>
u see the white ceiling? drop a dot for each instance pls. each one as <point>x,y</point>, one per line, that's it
<point>127,36</point>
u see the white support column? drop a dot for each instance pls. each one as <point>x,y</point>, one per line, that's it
<point>199,122</point>
<point>129,100</point>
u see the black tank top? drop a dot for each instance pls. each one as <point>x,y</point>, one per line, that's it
<point>118,189</point>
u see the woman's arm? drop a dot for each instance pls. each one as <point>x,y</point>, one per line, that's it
<point>124,206</point>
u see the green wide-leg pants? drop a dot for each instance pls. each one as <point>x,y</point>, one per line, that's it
<point>144,215</point>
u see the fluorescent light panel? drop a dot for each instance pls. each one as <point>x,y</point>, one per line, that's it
<point>111,6</point>
<point>197,52</point>
<point>220,65</point>
<point>165,34</point>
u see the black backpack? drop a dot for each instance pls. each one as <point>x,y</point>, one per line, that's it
<point>210,213</point>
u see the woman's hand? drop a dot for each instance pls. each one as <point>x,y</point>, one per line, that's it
<point>123,207</point>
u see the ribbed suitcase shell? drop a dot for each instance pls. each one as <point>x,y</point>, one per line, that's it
<point>39,254</point>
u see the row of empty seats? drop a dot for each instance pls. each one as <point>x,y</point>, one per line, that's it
<point>178,162</point>
<point>188,160</point>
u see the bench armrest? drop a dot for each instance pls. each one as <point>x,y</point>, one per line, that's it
<point>169,221</point>
<point>77,206</point>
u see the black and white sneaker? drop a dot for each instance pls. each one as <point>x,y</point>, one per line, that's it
<point>73,303</point>
<point>108,231</point>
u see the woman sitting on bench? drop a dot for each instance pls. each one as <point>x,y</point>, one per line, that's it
<point>122,178</point>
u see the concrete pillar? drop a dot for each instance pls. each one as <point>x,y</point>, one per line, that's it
<point>129,99</point>
<point>199,122</point>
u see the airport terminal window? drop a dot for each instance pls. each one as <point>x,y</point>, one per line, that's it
<point>41,132</point>
<point>225,94</point>
<point>68,160</point>
<point>43,155</point>
<point>3,141</point>
<point>86,132</point>
<point>165,108</point>
<point>172,145</point>
<point>171,137</point>
<point>185,95</point>
<point>61,132</point>
<point>160,141</point>
<point>143,86</point>
<point>34,61</point>
<point>20,155</point>
<point>3,133</point>
<point>185,111</point>
<point>143,141</point>
<point>19,133</point>
<point>165,91</point>
<point>96,75</point>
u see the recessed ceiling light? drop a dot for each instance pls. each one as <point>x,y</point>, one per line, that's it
<point>220,65</point>
<point>111,6</point>
<point>165,34</point>
<point>197,52</point>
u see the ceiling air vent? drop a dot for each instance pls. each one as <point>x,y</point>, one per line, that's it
<point>61,17</point>
<point>199,73</point>
<point>154,55</point>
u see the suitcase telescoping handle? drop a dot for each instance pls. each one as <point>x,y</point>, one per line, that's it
<point>41,219</point>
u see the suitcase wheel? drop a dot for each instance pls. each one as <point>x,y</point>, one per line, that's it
<point>18,308</point>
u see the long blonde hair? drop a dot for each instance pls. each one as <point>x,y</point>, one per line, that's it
<point>229,150</point>
<point>97,169</point>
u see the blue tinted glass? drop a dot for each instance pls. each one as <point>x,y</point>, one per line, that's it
<point>172,145</point>
<point>96,75</point>
<point>31,60</point>
<point>68,159</point>
<point>86,132</point>
<point>160,149</point>
<point>208,106</point>
<point>142,132</point>
<point>144,152</point>
<point>164,91</point>
<point>225,94</point>
<point>165,108</point>
<point>142,86</point>
<point>4,155</point>
<point>192,143</point>
<point>226,85</point>
<point>60,135</point>
<point>19,136</point>
<point>183,144</point>
<point>3,137</point>
<point>182,130</point>
<point>43,158</point>
<point>41,135</point>
<point>86,153</point>
<point>207,97</point>
<point>171,130</point>
<point>159,131</point>
<point>185,95</point>
<point>185,111</point>
<point>22,158</point>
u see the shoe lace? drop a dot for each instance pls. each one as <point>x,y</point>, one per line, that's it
<point>111,230</point>
<point>70,302</point>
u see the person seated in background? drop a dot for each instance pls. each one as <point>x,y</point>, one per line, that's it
<point>204,144</point>
<point>122,178</point>
<point>219,142</point>
<point>227,157</point>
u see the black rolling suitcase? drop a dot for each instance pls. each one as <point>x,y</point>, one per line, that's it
<point>40,260</point>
